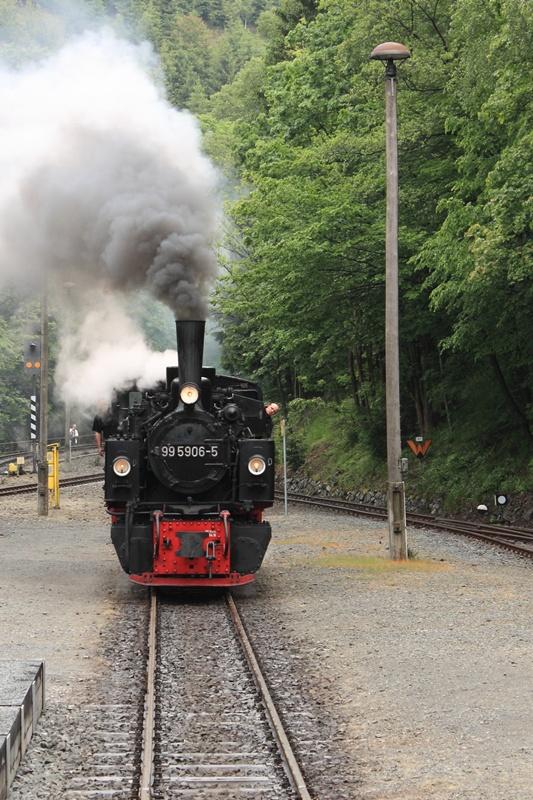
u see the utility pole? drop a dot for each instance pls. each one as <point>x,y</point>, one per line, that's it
<point>69,326</point>
<point>68,443</point>
<point>389,52</point>
<point>42,470</point>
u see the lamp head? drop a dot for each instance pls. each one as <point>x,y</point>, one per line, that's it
<point>390,51</point>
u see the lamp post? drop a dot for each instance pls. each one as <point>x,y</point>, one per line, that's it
<point>389,53</point>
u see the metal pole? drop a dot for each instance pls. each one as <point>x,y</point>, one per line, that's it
<point>396,487</point>
<point>283,424</point>
<point>42,472</point>
<point>68,442</point>
<point>69,326</point>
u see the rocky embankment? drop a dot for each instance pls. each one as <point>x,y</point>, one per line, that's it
<point>518,511</point>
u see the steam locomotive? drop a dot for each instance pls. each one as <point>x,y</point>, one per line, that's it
<point>189,471</point>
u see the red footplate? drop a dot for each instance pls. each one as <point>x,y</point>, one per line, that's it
<point>192,553</point>
<point>196,548</point>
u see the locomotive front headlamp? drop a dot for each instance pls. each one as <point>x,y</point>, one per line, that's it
<point>122,466</point>
<point>257,465</point>
<point>189,394</point>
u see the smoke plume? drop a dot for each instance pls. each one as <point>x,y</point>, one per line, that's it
<point>103,182</point>
<point>104,191</point>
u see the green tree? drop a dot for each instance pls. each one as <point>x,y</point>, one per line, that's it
<point>312,224</point>
<point>186,58</point>
<point>233,49</point>
<point>479,259</point>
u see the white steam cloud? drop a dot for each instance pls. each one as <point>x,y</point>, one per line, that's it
<point>104,186</point>
<point>107,351</point>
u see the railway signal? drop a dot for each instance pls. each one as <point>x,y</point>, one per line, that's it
<point>32,356</point>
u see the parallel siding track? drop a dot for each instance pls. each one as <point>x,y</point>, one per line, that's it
<point>516,539</point>
<point>27,488</point>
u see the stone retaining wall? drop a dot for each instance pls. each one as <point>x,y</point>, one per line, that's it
<point>519,510</point>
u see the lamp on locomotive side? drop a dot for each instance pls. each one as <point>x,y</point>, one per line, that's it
<point>389,53</point>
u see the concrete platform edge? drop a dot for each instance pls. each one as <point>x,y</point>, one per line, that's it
<point>22,700</point>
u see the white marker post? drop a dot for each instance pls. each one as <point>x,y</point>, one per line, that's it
<point>33,424</point>
<point>284,440</point>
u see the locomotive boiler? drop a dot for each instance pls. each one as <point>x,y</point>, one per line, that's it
<point>189,471</point>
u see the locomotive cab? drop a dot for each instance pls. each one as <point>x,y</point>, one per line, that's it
<point>189,473</point>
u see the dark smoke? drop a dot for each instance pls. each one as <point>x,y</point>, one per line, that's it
<point>105,183</point>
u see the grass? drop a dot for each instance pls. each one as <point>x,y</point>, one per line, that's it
<point>463,467</point>
<point>329,455</point>
<point>377,564</point>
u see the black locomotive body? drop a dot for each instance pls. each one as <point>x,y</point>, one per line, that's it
<point>188,473</point>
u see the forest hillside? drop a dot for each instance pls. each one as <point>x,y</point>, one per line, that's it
<point>293,114</point>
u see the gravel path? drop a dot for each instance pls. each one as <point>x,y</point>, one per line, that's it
<point>423,671</point>
<point>409,682</point>
<point>61,597</point>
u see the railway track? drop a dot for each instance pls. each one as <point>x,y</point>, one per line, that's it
<point>209,728</point>
<point>516,539</point>
<point>79,451</point>
<point>78,480</point>
<point>216,729</point>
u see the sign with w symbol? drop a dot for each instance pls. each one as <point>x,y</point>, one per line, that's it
<point>419,448</point>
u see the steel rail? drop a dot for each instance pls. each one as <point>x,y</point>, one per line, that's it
<point>337,505</point>
<point>78,480</point>
<point>289,759</point>
<point>76,448</point>
<point>497,535</point>
<point>145,788</point>
<point>415,516</point>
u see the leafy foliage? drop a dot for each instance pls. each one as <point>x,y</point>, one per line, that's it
<point>303,289</point>
<point>293,112</point>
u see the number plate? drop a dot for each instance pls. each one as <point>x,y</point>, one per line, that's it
<point>210,451</point>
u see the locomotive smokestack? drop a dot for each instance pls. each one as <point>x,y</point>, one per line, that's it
<point>190,335</point>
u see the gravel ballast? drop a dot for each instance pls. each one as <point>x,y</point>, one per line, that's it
<point>423,671</point>
<point>396,681</point>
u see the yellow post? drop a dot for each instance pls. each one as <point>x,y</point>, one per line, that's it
<point>53,472</point>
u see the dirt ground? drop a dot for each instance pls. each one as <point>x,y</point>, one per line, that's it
<point>426,669</point>
<point>429,664</point>
<point>59,585</point>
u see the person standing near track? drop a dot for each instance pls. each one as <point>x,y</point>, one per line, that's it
<point>104,425</point>
<point>73,434</point>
